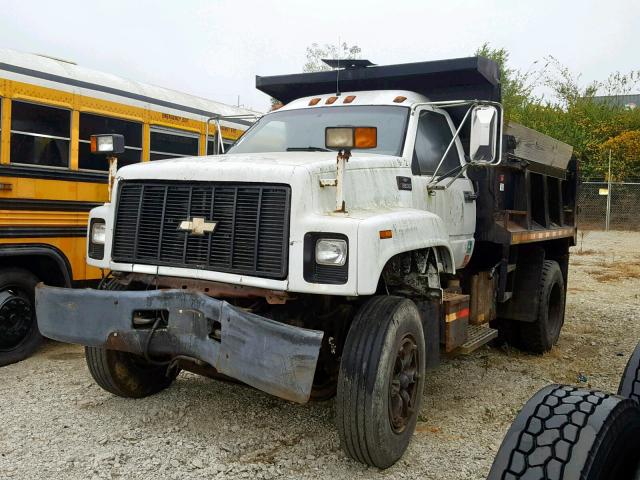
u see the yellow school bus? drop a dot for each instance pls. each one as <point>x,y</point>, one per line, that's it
<point>49,180</point>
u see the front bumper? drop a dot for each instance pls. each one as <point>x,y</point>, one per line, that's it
<point>274,357</point>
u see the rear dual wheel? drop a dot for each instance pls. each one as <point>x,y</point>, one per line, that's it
<point>541,334</point>
<point>381,381</point>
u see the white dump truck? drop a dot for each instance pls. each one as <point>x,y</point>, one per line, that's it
<point>383,216</point>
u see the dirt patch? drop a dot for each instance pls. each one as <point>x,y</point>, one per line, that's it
<point>65,355</point>
<point>617,272</point>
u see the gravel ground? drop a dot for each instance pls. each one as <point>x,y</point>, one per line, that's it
<point>56,423</point>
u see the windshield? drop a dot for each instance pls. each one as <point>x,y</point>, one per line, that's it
<point>303,130</point>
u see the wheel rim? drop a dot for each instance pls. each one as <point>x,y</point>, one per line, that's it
<point>403,386</point>
<point>16,319</point>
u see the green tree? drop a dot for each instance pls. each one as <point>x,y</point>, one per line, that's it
<point>517,87</point>
<point>571,113</point>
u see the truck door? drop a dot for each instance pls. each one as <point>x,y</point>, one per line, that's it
<point>455,205</point>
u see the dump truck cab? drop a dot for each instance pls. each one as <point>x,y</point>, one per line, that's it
<point>382,216</point>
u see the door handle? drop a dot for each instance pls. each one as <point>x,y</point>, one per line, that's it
<point>470,196</point>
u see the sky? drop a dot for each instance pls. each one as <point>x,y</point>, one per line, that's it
<point>215,48</point>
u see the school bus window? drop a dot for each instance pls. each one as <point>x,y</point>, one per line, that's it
<point>40,135</point>
<point>91,124</point>
<point>166,143</point>
<point>227,146</point>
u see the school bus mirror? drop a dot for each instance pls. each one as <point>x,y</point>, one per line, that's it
<point>111,144</point>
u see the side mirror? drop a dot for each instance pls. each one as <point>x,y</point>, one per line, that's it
<point>484,134</point>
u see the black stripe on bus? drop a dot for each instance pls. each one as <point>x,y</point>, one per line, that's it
<point>40,232</point>
<point>48,173</point>
<point>43,204</point>
<point>113,91</point>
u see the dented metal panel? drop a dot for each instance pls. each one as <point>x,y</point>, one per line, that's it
<point>274,357</point>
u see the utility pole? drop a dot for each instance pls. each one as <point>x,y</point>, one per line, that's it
<point>608,216</point>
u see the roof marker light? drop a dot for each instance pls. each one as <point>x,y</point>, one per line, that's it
<point>399,99</point>
<point>314,101</point>
<point>331,100</point>
<point>349,99</point>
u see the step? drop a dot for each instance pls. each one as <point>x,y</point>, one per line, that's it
<point>477,336</point>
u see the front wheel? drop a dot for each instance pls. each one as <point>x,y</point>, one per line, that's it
<point>125,374</point>
<point>381,381</point>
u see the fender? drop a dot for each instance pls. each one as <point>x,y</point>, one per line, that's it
<point>38,249</point>
<point>411,230</point>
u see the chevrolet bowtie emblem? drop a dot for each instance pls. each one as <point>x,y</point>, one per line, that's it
<point>197,226</point>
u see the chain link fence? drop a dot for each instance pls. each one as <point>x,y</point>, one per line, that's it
<point>622,211</point>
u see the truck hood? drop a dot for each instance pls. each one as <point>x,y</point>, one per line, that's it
<point>256,167</point>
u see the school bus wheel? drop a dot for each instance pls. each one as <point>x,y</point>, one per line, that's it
<point>19,335</point>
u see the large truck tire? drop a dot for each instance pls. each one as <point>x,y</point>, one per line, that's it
<point>19,334</point>
<point>630,382</point>
<point>381,381</point>
<point>542,334</point>
<point>125,374</point>
<point>566,433</point>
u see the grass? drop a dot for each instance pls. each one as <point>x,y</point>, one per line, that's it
<point>616,272</point>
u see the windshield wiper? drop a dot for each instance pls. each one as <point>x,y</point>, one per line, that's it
<point>307,149</point>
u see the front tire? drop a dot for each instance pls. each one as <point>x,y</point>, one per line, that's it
<point>125,374</point>
<point>19,334</point>
<point>381,381</point>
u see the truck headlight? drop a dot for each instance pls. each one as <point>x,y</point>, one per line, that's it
<point>98,232</point>
<point>331,251</point>
<point>97,237</point>
<point>326,258</point>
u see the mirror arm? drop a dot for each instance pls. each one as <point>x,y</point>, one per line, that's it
<point>462,170</point>
<point>218,137</point>
<point>435,180</point>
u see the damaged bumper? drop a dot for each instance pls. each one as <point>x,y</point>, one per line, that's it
<point>274,357</point>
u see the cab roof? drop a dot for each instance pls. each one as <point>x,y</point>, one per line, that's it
<point>453,79</point>
<point>345,99</point>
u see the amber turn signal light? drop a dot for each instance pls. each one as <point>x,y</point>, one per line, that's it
<point>366,137</point>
